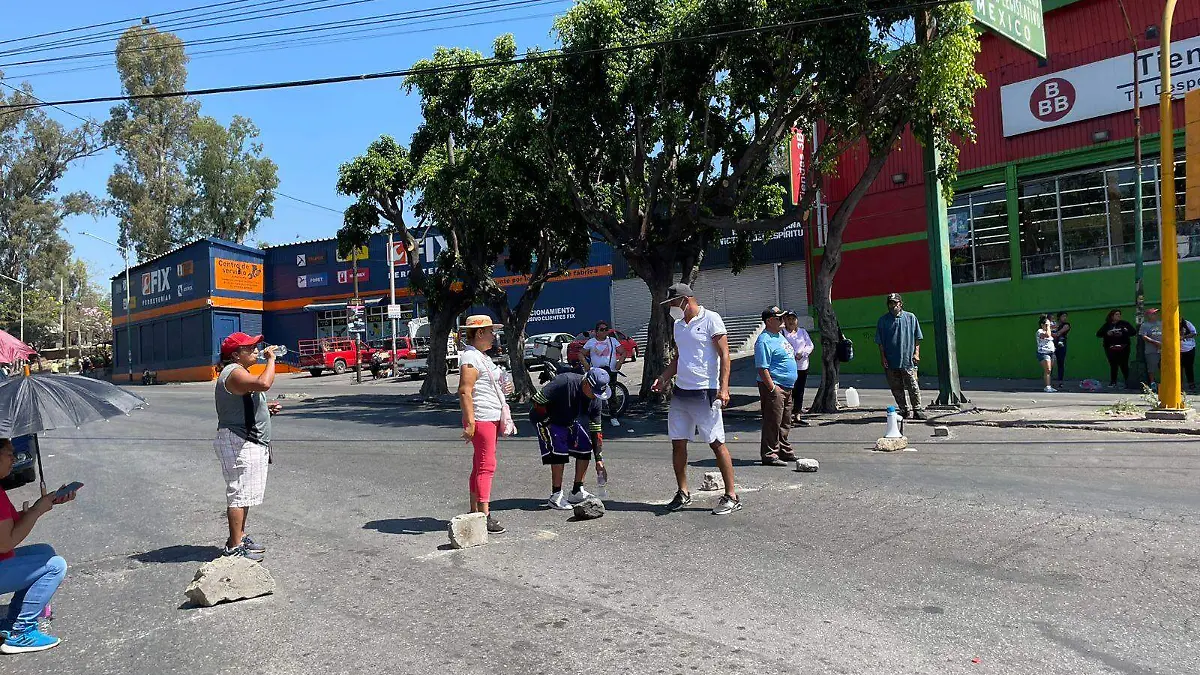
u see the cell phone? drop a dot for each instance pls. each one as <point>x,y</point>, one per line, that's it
<point>67,490</point>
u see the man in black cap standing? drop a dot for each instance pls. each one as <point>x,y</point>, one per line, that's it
<point>700,392</point>
<point>898,334</point>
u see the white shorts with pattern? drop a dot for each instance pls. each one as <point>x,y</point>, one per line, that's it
<point>687,415</point>
<point>244,465</point>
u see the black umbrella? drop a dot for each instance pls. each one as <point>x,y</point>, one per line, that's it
<point>31,405</point>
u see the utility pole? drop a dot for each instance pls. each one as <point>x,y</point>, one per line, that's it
<point>1169,393</point>
<point>353,335</point>
<point>391,260</point>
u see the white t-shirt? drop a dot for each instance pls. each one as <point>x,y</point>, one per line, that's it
<point>1045,343</point>
<point>1187,344</point>
<point>485,394</point>
<point>603,353</point>
<point>699,366</point>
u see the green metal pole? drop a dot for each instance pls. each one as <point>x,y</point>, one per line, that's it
<point>941,285</point>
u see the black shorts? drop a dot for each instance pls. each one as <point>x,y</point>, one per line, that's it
<point>559,444</point>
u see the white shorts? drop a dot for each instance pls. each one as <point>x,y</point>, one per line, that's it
<point>244,466</point>
<point>686,415</point>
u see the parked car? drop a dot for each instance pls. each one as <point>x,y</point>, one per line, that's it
<point>576,345</point>
<point>545,347</point>
<point>23,471</point>
<point>336,354</point>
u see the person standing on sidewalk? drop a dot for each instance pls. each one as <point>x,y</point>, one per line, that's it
<point>1187,351</point>
<point>776,364</point>
<point>802,347</point>
<point>481,389</point>
<point>1151,334</point>
<point>1061,328</point>
<point>560,411</point>
<point>701,361</point>
<point>1045,350</point>
<point>243,442</point>
<point>1115,335</point>
<point>898,334</point>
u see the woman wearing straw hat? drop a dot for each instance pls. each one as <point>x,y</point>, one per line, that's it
<point>482,386</point>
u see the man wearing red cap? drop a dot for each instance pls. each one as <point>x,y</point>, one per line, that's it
<point>244,435</point>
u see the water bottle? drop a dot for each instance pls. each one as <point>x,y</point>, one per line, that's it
<point>852,400</point>
<point>280,352</point>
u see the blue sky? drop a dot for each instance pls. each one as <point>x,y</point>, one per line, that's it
<point>308,132</point>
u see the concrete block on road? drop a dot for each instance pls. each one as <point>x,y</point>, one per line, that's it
<point>589,509</point>
<point>712,481</point>
<point>1169,415</point>
<point>891,444</point>
<point>941,432</point>
<point>467,530</point>
<point>227,579</point>
<point>807,465</point>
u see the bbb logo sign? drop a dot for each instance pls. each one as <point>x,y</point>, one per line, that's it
<point>156,281</point>
<point>1052,100</point>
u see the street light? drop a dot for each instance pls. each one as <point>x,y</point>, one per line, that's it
<point>22,285</point>
<point>128,309</point>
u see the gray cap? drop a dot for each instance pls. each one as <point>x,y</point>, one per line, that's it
<point>677,291</point>
<point>894,297</point>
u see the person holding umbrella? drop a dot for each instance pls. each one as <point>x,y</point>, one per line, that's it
<point>243,442</point>
<point>31,573</point>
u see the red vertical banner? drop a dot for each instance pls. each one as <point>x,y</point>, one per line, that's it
<point>796,157</point>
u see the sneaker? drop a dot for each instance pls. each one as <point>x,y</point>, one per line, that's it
<point>32,640</point>
<point>558,501</point>
<point>788,456</point>
<point>681,500</point>
<point>801,423</point>
<point>241,551</point>
<point>1050,390</point>
<point>577,497</point>
<point>773,460</point>
<point>494,526</point>
<point>252,546</point>
<point>728,504</point>
<point>615,422</point>
<point>919,415</point>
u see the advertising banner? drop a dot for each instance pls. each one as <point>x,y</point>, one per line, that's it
<point>235,275</point>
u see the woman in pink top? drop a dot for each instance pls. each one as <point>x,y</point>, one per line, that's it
<point>802,346</point>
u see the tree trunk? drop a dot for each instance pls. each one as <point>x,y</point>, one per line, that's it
<point>515,321</point>
<point>658,337</point>
<point>440,325</point>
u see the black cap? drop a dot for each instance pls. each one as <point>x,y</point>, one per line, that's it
<point>677,291</point>
<point>792,313</point>
<point>894,297</point>
<point>772,312</point>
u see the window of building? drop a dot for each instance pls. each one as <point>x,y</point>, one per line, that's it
<point>332,323</point>
<point>978,223</point>
<point>1086,219</point>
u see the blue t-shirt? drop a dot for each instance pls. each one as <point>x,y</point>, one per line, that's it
<point>898,335</point>
<point>771,352</point>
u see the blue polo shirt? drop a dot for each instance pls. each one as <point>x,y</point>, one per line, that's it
<point>772,351</point>
<point>898,335</point>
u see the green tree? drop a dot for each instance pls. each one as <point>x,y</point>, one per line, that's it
<point>233,184</point>
<point>667,147</point>
<point>149,189</point>
<point>35,153</point>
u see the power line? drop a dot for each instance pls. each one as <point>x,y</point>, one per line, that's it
<point>113,23</point>
<point>297,199</point>
<point>536,57</point>
<point>22,91</point>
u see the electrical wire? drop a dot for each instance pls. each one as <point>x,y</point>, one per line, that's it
<point>534,57</point>
<point>297,199</point>
<point>85,120</point>
<point>120,21</point>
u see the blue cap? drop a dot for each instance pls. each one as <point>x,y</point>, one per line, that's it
<point>598,379</point>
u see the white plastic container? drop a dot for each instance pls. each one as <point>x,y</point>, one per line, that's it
<point>852,400</point>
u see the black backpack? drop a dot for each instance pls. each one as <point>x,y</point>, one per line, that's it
<point>845,348</point>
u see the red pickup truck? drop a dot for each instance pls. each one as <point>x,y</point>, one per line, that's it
<point>336,354</point>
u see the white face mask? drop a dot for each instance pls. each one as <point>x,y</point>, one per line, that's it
<point>676,313</point>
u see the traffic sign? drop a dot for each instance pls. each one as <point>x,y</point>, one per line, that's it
<point>1017,20</point>
<point>395,311</point>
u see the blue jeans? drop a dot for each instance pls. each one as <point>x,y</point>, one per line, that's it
<point>32,577</point>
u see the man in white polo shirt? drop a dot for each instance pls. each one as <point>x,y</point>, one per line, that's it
<point>701,369</point>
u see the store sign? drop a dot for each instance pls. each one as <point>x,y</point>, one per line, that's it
<point>347,276</point>
<point>396,311</point>
<point>1017,20</point>
<point>552,314</point>
<point>307,260</point>
<point>156,281</point>
<point>184,269</point>
<point>796,160</point>
<point>236,275</point>
<point>185,289</point>
<point>363,253</point>
<point>398,255</point>
<point>1096,89</point>
<point>312,280</point>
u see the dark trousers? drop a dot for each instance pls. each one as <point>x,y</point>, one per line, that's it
<point>1060,355</point>
<point>776,421</point>
<point>1118,359</point>
<point>798,394</point>
<point>1188,361</point>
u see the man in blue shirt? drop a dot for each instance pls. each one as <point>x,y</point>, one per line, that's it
<point>776,364</point>
<point>898,334</point>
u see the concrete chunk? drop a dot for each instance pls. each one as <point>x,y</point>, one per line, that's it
<point>891,444</point>
<point>807,465</point>
<point>712,481</point>
<point>227,579</point>
<point>589,509</point>
<point>467,530</point>
<point>1170,415</point>
<point>941,431</point>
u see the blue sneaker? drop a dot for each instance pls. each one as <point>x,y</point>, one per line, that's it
<point>252,546</point>
<point>32,640</point>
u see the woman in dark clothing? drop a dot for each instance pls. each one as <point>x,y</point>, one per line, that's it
<point>1187,351</point>
<point>1062,327</point>
<point>1116,334</point>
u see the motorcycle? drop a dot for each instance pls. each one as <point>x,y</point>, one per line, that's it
<point>613,407</point>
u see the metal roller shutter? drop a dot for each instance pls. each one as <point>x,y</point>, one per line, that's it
<point>793,290</point>
<point>630,305</point>
<point>730,294</point>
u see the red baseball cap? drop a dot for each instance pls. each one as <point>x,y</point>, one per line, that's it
<point>237,341</point>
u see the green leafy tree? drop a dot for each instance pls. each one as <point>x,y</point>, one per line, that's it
<point>667,147</point>
<point>149,188</point>
<point>233,184</point>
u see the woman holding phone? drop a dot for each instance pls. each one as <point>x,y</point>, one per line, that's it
<point>31,573</point>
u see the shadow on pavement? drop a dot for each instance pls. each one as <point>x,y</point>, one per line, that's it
<point>179,553</point>
<point>519,504</point>
<point>711,462</point>
<point>418,525</point>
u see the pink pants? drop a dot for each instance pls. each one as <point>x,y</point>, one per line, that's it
<point>483,467</point>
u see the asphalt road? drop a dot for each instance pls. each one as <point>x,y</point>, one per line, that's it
<point>1028,551</point>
